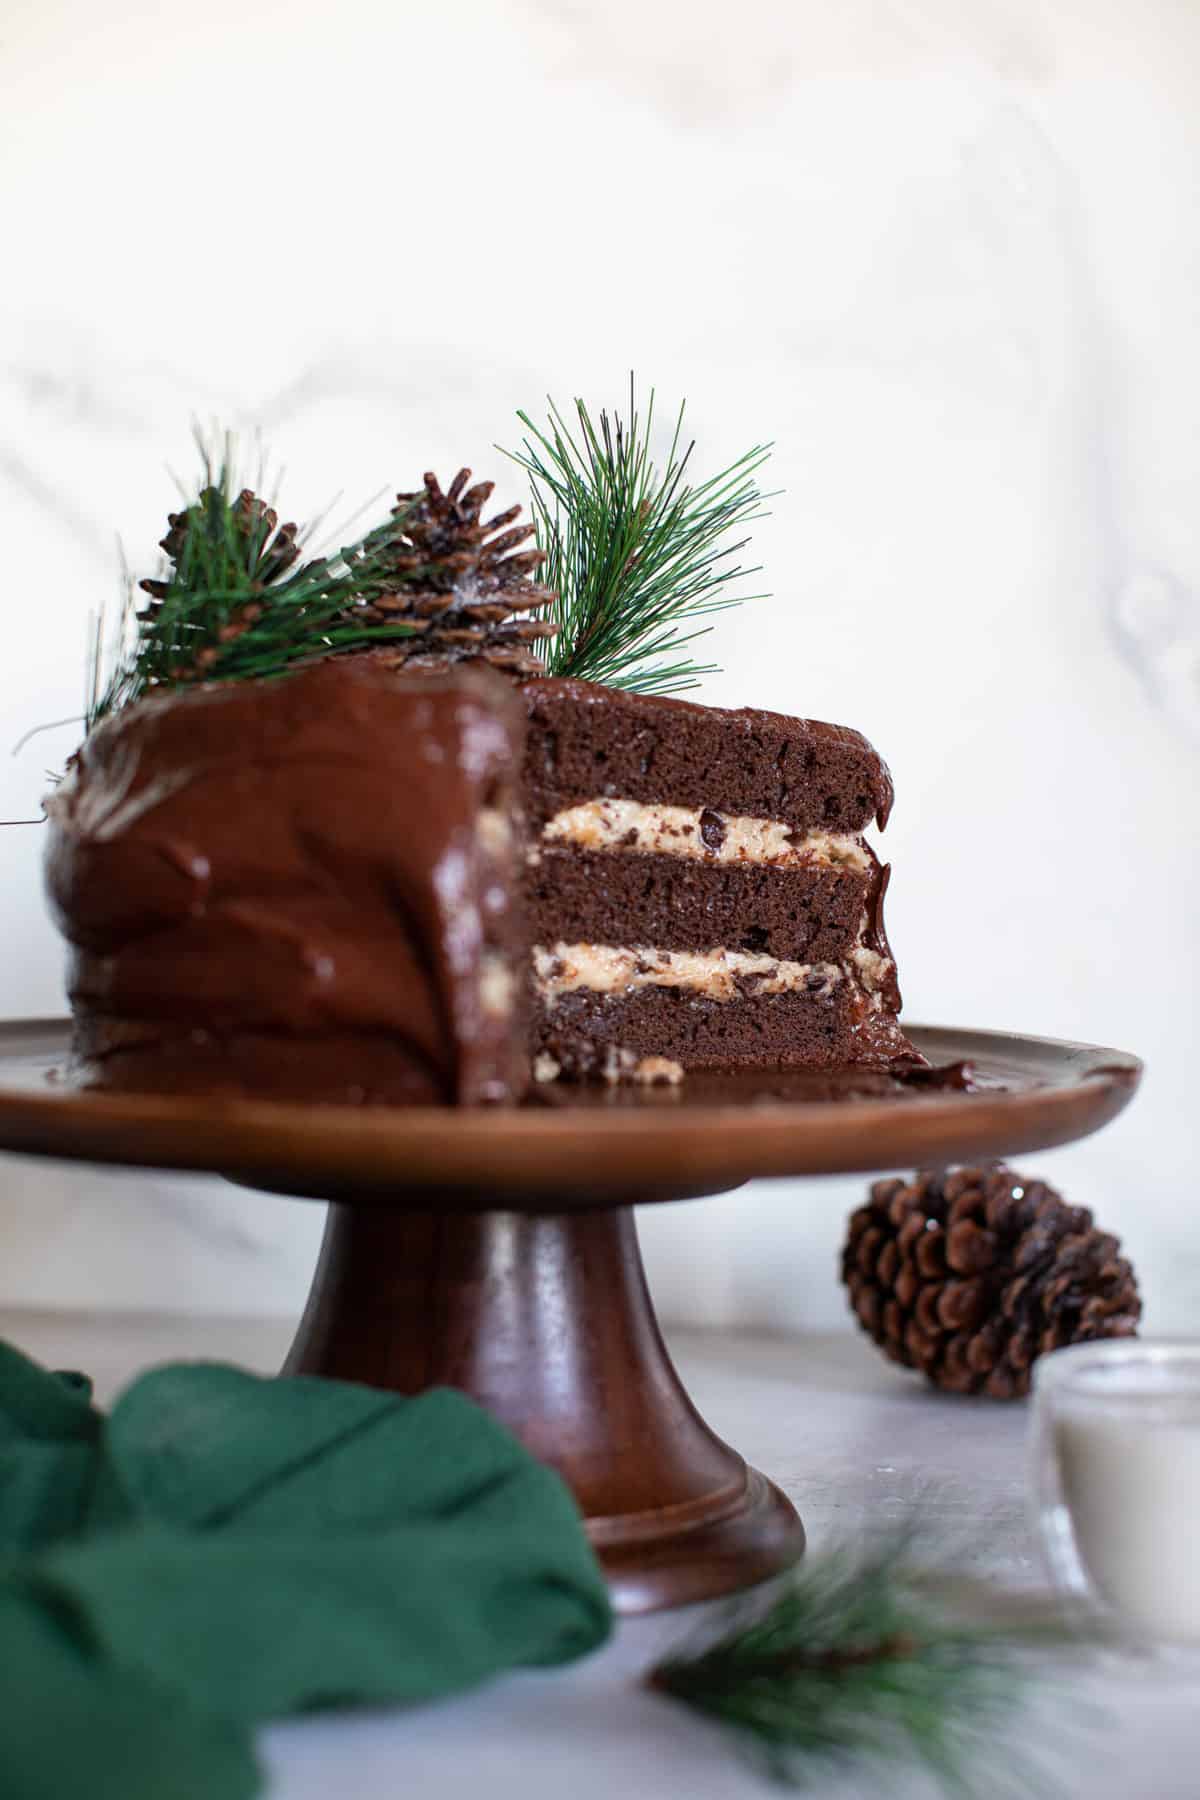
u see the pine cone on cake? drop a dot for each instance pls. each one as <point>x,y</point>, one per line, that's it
<point>971,1274</point>
<point>462,583</point>
<point>263,547</point>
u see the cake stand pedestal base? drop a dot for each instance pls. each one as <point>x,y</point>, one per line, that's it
<point>545,1319</point>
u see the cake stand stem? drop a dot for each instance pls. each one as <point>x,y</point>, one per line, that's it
<point>546,1319</point>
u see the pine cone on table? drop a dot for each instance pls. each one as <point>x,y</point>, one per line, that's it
<point>459,581</point>
<point>970,1274</point>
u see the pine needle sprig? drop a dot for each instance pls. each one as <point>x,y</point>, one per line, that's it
<point>634,554</point>
<point>852,1661</point>
<point>236,603</point>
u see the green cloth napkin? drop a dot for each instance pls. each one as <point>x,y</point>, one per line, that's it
<point>222,1550</point>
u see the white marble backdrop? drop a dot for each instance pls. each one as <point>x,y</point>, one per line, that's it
<point>945,252</point>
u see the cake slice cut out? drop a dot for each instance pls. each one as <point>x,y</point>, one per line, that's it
<point>700,888</point>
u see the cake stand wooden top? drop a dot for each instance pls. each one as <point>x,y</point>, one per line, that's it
<point>582,1146</point>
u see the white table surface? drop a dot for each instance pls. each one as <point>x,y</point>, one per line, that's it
<point>854,1442</point>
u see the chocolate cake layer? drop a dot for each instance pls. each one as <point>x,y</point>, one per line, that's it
<point>585,741</point>
<point>307,887</point>
<point>809,914</point>
<point>787,1030</point>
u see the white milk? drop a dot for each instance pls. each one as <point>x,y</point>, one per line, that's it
<point>1131,1480</point>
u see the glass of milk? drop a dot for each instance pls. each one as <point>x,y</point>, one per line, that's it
<point>1115,1471</point>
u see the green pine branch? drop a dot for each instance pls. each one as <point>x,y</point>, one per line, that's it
<point>852,1662</point>
<point>635,554</point>
<point>233,604</point>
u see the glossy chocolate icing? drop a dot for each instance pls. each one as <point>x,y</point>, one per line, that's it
<point>283,888</point>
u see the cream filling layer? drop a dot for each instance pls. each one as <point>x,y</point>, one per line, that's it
<point>614,969</point>
<point>701,834</point>
<point>873,970</point>
<point>619,1065</point>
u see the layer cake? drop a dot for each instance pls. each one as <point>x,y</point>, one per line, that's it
<point>364,886</point>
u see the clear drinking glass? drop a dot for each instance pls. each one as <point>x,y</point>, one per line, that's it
<point>1115,1478</point>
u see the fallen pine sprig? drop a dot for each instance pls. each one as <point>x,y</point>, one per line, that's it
<point>857,1661</point>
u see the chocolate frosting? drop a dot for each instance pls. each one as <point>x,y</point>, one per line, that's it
<point>283,887</point>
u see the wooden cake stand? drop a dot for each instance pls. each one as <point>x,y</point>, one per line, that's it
<point>496,1251</point>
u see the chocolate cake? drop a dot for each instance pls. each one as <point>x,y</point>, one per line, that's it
<point>700,892</point>
<point>304,888</point>
<point>359,885</point>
